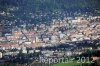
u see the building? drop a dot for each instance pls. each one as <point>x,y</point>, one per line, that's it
<point>1,55</point>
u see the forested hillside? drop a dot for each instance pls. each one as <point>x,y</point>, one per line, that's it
<point>44,10</point>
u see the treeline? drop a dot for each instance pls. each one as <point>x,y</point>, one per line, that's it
<point>51,5</point>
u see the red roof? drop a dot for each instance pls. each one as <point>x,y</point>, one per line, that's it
<point>8,44</point>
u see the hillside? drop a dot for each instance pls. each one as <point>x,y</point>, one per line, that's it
<point>31,10</point>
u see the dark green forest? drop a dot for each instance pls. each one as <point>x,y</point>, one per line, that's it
<point>50,5</point>
<point>25,9</point>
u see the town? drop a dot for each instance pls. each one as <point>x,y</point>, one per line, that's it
<point>70,31</point>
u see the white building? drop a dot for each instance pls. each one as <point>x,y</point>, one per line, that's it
<point>1,54</point>
<point>54,39</point>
